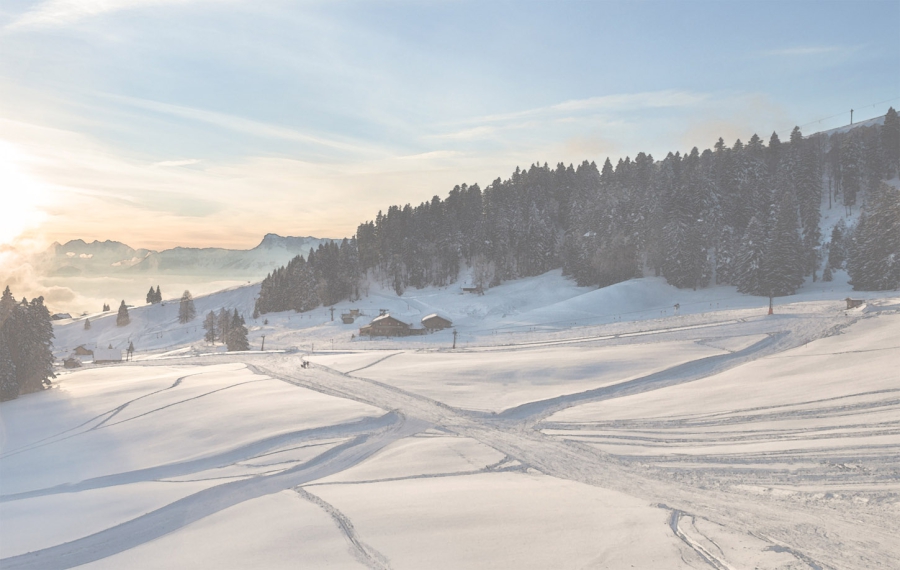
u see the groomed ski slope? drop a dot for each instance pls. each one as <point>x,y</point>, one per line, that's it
<point>716,438</point>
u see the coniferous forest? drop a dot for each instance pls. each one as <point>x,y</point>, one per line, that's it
<point>746,215</point>
<point>26,346</point>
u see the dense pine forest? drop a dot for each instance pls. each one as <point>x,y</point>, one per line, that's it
<point>746,215</point>
<point>26,346</point>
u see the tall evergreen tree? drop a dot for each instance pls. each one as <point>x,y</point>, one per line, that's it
<point>851,168</point>
<point>186,309</point>
<point>9,385</point>
<point>837,247</point>
<point>87,324</point>
<point>209,324</point>
<point>874,261</point>
<point>237,334</point>
<point>158,295</point>
<point>783,267</point>
<point>223,324</point>
<point>749,266</point>
<point>151,296</point>
<point>890,143</point>
<point>122,318</point>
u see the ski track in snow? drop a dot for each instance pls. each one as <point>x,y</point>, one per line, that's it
<point>202,504</point>
<point>360,550</point>
<point>255,449</point>
<point>786,525</point>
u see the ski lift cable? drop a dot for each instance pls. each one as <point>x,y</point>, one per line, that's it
<point>844,112</point>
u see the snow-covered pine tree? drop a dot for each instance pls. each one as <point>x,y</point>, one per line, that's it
<point>237,334</point>
<point>223,324</point>
<point>9,385</point>
<point>209,324</point>
<point>837,247</point>
<point>874,260</point>
<point>851,168</point>
<point>151,296</point>
<point>186,309</point>
<point>890,143</point>
<point>686,264</point>
<point>748,266</point>
<point>29,337</point>
<point>782,265</point>
<point>122,318</point>
<point>807,181</point>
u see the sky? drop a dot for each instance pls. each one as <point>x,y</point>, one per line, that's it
<point>163,123</point>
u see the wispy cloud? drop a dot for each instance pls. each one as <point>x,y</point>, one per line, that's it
<point>59,13</point>
<point>808,50</point>
<point>619,102</point>
<point>240,124</point>
<point>173,163</point>
<point>572,111</point>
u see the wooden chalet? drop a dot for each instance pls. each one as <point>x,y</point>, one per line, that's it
<point>853,303</point>
<point>386,325</point>
<point>435,322</point>
<point>82,351</point>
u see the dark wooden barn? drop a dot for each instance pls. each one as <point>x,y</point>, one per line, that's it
<point>435,322</point>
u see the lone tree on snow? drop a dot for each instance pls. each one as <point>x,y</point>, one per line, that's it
<point>122,318</point>
<point>87,324</point>
<point>186,311</point>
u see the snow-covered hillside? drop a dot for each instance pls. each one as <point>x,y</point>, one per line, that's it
<point>534,309</point>
<point>617,435</point>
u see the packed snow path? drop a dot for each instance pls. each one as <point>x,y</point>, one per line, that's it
<point>703,505</point>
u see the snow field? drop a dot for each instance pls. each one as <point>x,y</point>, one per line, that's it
<point>500,380</point>
<point>160,420</point>
<point>273,532</point>
<point>506,520</point>
<point>716,438</point>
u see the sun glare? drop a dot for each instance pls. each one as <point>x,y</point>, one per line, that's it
<point>22,195</point>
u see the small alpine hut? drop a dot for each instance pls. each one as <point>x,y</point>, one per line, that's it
<point>435,322</point>
<point>82,351</point>
<point>107,355</point>
<point>385,325</point>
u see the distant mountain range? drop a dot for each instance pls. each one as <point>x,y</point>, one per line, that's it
<point>108,258</point>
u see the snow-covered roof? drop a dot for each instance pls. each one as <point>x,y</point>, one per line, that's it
<point>432,315</point>
<point>385,317</point>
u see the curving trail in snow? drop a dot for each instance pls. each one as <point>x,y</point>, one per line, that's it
<point>200,505</point>
<point>739,485</point>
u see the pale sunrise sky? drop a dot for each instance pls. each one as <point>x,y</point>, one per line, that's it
<point>212,122</point>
